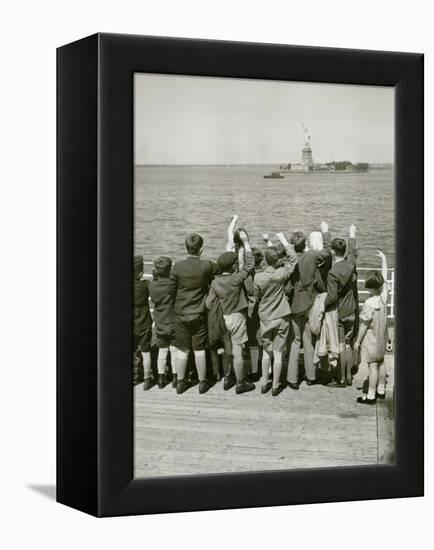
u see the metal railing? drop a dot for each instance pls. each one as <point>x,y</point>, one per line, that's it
<point>360,283</point>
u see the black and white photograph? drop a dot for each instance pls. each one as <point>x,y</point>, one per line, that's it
<point>263,275</point>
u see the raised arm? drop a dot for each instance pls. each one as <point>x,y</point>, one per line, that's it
<point>249,260</point>
<point>327,241</point>
<point>291,260</point>
<point>230,245</point>
<point>352,249</point>
<point>384,272</point>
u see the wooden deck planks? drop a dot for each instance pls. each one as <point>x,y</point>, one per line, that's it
<point>221,432</point>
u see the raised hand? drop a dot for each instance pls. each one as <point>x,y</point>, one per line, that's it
<point>380,254</point>
<point>282,238</point>
<point>324,226</point>
<point>352,230</point>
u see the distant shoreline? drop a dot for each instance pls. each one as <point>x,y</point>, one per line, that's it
<point>375,166</point>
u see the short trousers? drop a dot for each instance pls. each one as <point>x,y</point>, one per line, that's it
<point>142,339</point>
<point>165,334</point>
<point>237,327</point>
<point>274,334</point>
<point>346,329</point>
<point>191,332</point>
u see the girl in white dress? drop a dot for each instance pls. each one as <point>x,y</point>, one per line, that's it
<point>373,332</point>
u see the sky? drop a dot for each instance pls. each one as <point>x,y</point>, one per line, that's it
<point>209,120</point>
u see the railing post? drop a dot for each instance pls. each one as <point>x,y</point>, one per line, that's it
<point>392,293</point>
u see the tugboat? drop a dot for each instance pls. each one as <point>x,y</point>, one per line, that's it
<point>274,175</point>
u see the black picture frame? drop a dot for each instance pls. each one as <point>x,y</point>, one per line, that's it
<point>94,289</point>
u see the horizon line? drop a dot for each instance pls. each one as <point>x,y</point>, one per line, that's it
<point>248,163</point>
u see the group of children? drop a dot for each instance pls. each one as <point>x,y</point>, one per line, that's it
<point>289,296</point>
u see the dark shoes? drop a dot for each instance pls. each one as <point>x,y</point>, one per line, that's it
<point>276,391</point>
<point>148,383</point>
<point>266,387</point>
<point>204,386</point>
<point>244,387</point>
<point>293,386</point>
<point>365,401</point>
<point>336,384</point>
<point>182,386</point>
<point>161,381</point>
<point>310,382</point>
<point>228,383</point>
<point>254,377</point>
<point>380,395</point>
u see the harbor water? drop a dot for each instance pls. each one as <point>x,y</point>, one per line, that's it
<point>171,201</point>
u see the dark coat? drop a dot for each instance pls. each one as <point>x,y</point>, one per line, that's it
<point>141,315</point>
<point>341,284</point>
<point>159,291</point>
<point>307,280</point>
<point>189,284</point>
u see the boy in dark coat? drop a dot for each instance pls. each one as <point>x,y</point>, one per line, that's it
<point>142,321</point>
<point>188,285</point>
<point>164,318</point>
<point>341,284</point>
<point>307,283</point>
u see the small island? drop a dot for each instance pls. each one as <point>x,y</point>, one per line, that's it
<point>308,165</point>
<point>347,166</point>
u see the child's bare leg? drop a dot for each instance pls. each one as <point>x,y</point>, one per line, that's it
<point>254,358</point>
<point>373,380</point>
<point>173,352</point>
<point>181,364</point>
<point>146,357</point>
<point>266,365</point>
<point>277,368</point>
<point>237,352</point>
<point>381,387</point>
<point>162,360</point>
<point>200,360</point>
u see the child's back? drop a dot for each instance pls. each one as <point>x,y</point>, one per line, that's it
<point>163,300</point>
<point>164,311</point>
<point>374,314</point>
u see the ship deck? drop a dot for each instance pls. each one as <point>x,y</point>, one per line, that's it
<point>220,432</point>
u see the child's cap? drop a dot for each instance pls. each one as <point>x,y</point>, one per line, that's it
<point>163,265</point>
<point>226,260</point>
<point>137,265</point>
<point>374,279</point>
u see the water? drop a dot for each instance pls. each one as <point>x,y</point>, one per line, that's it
<point>171,201</point>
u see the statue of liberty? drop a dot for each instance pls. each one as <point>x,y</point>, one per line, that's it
<point>306,136</point>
